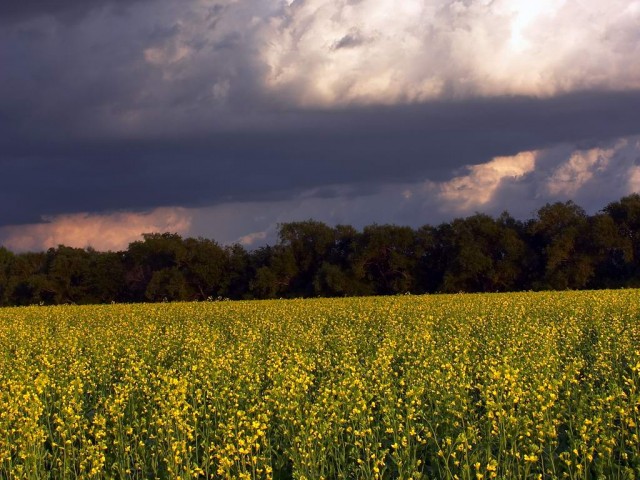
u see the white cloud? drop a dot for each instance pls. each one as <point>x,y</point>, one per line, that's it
<point>417,50</point>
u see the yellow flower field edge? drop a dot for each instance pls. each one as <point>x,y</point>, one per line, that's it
<point>513,386</point>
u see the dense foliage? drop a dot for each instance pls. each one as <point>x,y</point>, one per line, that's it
<point>509,386</point>
<point>561,248</point>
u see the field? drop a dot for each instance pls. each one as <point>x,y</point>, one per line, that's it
<point>532,385</point>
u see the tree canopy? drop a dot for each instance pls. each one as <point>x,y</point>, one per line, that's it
<point>562,247</point>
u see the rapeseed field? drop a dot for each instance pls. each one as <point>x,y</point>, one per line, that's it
<point>507,386</point>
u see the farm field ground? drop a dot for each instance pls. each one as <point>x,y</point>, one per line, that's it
<point>513,386</point>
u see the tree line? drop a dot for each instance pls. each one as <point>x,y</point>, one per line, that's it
<point>561,248</point>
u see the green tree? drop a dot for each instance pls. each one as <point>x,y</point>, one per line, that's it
<point>27,284</point>
<point>310,243</point>
<point>106,276</point>
<point>206,267</point>
<point>155,252</point>
<point>6,259</point>
<point>483,254</point>
<point>337,276</point>
<point>612,253</point>
<point>275,269</point>
<point>561,233</point>
<point>238,274</point>
<point>625,214</point>
<point>168,284</point>
<point>68,270</point>
<point>387,258</point>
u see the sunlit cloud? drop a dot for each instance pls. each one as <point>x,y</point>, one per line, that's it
<point>102,232</point>
<point>252,238</point>
<point>325,52</point>
<point>634,180</point>
<point>478,187</point>
<point>581,167</point>
<point>589,174</point>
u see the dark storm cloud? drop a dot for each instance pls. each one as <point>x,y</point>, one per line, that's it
<point>12,11</point>
<point>118,75</point>
<point>273,161</point>
<point>353,39</point>
<point>169,106</point>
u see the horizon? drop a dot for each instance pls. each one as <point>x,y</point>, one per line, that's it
<point>273,239</point>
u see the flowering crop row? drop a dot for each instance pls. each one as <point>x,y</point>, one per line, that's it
<point>531,385</point>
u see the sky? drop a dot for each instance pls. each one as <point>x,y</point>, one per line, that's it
<point>224,118</point>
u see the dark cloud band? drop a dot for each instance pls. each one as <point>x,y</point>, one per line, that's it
<point>365,146</point>
<point>12,11</point>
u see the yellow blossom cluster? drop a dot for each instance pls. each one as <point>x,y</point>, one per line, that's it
<point>507,386</point>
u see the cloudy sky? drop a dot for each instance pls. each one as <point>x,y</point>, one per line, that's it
<point>222,118</point>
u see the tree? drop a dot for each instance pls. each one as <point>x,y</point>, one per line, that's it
<point>156,252</point>
<point>561,248</point>
<point>206,267</point>
<point>511,255</point>
<point>561,233</point>
<point>275,268</point>
<point>238,274</point>
<point>309,242</point>
<point>612,253</point>
<point>625,214</point>
<point>432,255</point>
<point>106,277</point>
<point>387,258</point>
<point>483,254</point>
<point>27,284</point>
<point>6,260</point>
<point>337,276</point>
<point>167,284</point>
<point>68,270</point>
